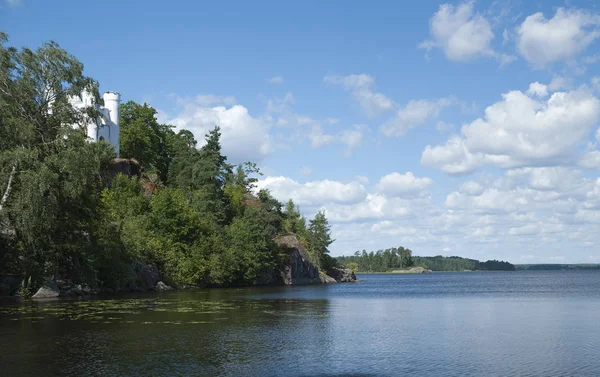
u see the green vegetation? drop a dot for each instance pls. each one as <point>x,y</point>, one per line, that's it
<point>552,267</point>
<point>191,212</point>
<point>397,258</point>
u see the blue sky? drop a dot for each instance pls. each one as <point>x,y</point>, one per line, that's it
<point>460,128</point>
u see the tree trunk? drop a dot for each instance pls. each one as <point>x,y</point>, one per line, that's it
<point>8,187</point>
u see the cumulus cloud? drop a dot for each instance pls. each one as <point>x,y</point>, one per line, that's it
<point>471,188</point>
<point>398,185</point>
<point>542,41</point>
<point>318,138</point>
<point>537,89</point>
<point>361,87</point>
<point>462,34</point>
<point>313,193</point>
<point>520,131</point>
<point>415,113</point>
<point>243,136</point>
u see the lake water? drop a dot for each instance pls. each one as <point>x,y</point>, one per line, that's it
<point>525,323</point>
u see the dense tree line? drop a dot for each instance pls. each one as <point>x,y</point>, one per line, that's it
<point>397,258</point>
<point>192,213</point>
<point>378,261</point>
<point>554,267</point>
<point>440,263</point>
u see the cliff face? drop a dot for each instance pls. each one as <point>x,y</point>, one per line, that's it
<point>298,269</point>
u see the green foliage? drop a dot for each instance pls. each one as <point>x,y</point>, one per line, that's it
<point>202,225</point>
<point>319,239</point>
<point>397,258</point>
<point>144,139</point>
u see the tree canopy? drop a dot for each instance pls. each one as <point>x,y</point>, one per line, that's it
<point>203,223</point>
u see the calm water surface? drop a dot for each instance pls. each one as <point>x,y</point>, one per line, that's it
<point>538,323</point>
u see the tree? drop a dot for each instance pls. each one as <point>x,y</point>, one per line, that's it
<point>405,257</point>
<point>144,139</point>
<point>49,174</point>
<point>319,238</point>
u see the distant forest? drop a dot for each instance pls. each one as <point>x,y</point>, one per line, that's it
<point>553,267</point>
<point>397,258</point>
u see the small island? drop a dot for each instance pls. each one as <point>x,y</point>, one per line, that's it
<point>401,260</point>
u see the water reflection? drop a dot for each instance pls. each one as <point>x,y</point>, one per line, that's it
<point>451,325</point>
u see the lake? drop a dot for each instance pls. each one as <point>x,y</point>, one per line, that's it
<point>526,323</point>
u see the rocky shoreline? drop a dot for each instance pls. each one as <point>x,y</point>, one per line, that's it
<point>296,269</point>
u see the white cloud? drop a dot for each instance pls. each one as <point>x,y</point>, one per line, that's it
<point>452,158</point>
<point>276,80</point>
<point>444,127</point>
<point>243,137</point>
<point>460,33</point>
<point>361,88</point>
<point>471,188</point>
<point>415,113</point>
<point>305,171</point>
<point>362,179</point>
<point>13,3</point>
<point>318,138</point>
<point>520,131</point>
<point>558,83</point>
<point>537,89</point>
<point>590,160</point>
<point>399,185</point>
<point>313,193</point>
<point>208,100</point>
<point>352,138</point>
<point>542,41</point>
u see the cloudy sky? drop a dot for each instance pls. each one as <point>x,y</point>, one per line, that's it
<point>462,128</point>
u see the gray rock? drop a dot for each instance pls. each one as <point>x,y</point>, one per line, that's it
<point>48,290</point>
<point>147,274</point>
<point>326,279</point>
<point>162,287</point>
<point>342,275</point>
<point>297,268</point>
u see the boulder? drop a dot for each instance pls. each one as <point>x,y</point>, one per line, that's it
<point>162,287</point>
<point>48,290</point>
<point>326,279</point>
<point>342,275</point>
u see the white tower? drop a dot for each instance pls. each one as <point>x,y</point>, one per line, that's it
<point>111,131</point>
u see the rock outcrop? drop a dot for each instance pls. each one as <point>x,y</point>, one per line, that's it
<point>413,270</point>
<point>162,287</point>
<point>48,290</point>
<point>342,275</point>
<point>297,267</point>
<point>147,275</point>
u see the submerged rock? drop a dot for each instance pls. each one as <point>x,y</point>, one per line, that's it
<point>342,275</point>
<point>48,290</point>
<point>162,287</point>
